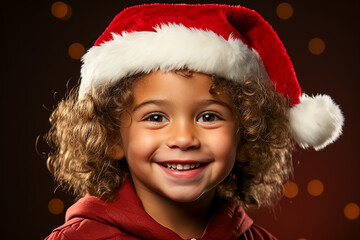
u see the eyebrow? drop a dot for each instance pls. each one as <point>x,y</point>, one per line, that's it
<point>203,103</point>
<point>149,102</point>
<point>215,101</point>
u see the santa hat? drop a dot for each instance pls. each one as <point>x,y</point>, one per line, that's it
<point>232,42</point>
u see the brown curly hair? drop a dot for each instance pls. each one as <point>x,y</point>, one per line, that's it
<point>261,112</point>
<point>84,131</point>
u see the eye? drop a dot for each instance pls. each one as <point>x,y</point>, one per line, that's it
<point>209,117</point>
<point>156,118</point>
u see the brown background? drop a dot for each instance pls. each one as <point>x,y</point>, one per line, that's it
<point>35,64</point>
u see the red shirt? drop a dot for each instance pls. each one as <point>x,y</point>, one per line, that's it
<point>125,218</point>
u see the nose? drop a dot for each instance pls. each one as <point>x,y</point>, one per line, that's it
<point>183,136</point>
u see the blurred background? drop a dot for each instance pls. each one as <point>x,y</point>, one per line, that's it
<point>42,42</point>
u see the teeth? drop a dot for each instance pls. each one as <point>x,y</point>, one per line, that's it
<point>181,167</point>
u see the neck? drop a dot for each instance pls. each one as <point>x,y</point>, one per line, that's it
<point>188,219</point>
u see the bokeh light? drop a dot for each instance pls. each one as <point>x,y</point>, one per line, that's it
<point>56,206</point>
<point>315,187</point>
<point>301,239</point>
<point>61,10</point>
<point>351,211</point>
<point>76,50</point>
<point>316,46</point>
<point>290,189</point>
<point>284,11</point>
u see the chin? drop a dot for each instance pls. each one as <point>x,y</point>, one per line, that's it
<point>184,199</point>
<point>185,195</point>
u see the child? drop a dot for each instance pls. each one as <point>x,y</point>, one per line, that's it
<point>185,115</point>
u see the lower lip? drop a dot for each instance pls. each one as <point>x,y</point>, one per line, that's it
<point>184,174</point>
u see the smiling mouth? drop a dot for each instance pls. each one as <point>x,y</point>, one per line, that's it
<point>182,166</point>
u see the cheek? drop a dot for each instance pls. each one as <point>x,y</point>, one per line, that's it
<point>140,148</point>
<point>224,151</point>
<point>224,146</point>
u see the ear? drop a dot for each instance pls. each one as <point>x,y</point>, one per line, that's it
<point>240,154</point>
<point>117,152</point>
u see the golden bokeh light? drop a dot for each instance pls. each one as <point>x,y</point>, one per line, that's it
<point>76,50</point>
<point>315,187</point>
<point>316,46</point>
<point>301,239</point>
<point>61,10</point>
<point>290,189</point>
<point>351,211</point>
<point>56,206</point>
<point>284,11</point>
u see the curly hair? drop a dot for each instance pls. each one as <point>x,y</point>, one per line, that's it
<point>83,133</point>
<point>261,112</point>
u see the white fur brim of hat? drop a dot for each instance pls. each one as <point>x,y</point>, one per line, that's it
<point>315,122</point>
<point>170,47</point>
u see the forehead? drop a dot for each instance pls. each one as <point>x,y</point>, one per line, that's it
<point>182,85</point>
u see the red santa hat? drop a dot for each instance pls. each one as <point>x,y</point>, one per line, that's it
<point>229,41</point>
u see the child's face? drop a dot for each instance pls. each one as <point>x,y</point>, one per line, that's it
<point>179,140</point>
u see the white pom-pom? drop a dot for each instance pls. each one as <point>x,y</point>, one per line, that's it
<point>316,121</point>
